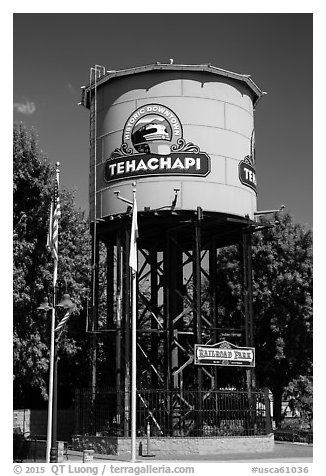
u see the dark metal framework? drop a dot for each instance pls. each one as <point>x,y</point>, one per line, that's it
<point>178,300</point>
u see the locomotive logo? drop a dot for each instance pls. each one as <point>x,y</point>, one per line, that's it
<point>153,144</point>
<point>152,129</point>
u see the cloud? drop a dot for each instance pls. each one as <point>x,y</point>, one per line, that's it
<point>27,107</point>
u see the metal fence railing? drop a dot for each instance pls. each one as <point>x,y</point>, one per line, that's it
<point>191,413</point>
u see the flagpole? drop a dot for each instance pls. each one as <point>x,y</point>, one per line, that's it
<point>50,401</point>
<point>134,369</point>
<point>52,344</point>
<point>134,343</point>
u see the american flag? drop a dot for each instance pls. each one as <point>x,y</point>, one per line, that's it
<point>63,321</point>
<point>53,233</point>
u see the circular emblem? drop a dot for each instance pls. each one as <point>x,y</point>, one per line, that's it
<point>152,128</point>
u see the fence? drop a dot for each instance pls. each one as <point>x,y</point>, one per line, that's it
<point>106,412</point>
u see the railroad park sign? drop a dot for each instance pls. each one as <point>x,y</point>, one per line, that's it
<point>224,354</point>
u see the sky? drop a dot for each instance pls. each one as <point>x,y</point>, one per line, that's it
<point>53,54</point>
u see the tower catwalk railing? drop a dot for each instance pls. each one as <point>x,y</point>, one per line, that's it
<point>193,413</point>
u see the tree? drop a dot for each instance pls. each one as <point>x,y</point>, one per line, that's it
<point>282,264</point>
<point>282,295</point>
<point>33,268</point>
<point>300,396</point>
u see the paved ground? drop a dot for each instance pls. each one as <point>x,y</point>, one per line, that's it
<point>283,453</point>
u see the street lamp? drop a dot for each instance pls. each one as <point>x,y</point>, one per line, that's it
<point>51,445</point>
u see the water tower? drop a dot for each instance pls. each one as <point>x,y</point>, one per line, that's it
<point>184,135</point>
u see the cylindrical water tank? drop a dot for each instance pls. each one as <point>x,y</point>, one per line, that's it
<point>167,127</point>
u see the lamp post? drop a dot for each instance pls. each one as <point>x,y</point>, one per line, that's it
<point>51,444</point>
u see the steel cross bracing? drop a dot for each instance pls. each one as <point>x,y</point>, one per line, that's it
<point>178,305</point>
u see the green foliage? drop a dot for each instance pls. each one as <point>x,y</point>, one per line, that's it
<point>282,275</point>
<point>282,300</point>
<point>299,394</point>
<point>33,271</point>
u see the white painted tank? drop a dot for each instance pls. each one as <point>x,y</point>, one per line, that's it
<point>167,127</point>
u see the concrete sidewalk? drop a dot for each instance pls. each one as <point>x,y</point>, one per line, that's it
<point>282,453</point>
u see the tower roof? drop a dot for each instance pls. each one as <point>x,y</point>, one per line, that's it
<point>103,75</point>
